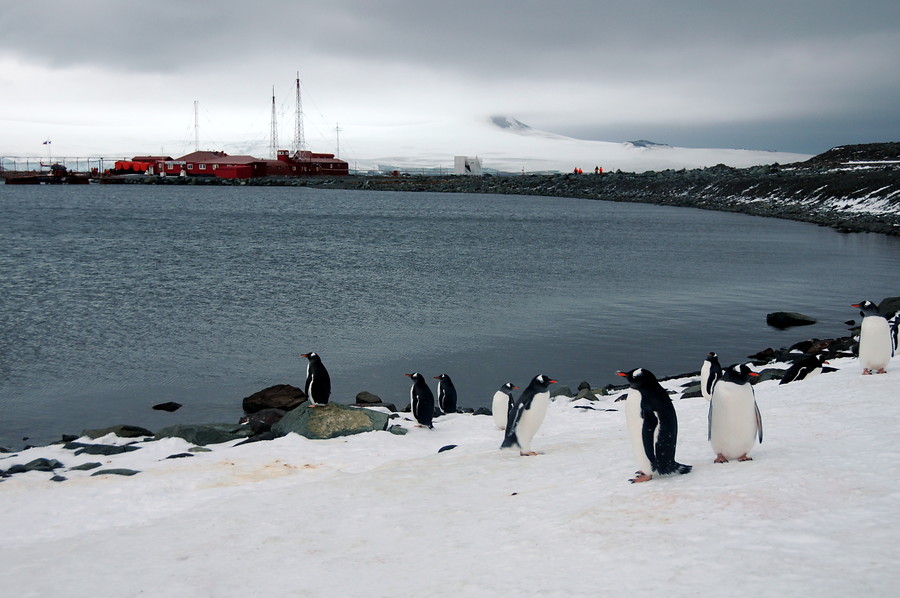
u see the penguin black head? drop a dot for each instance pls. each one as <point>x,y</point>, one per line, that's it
<point>443,378</point>
<point>711,355</point>
<point>416,376</point>
<point>508,387</point>
<point>312,356</point>
<point>542,381</point>
<point>739,374</point>
<point>867,308</point>
<point>637,377</point>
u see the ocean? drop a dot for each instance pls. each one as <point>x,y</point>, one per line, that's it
<point>114,298</point>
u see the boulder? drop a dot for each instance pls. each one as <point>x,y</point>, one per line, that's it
<point>169,406</point>
<point>788,319</point>
<point>203,434</point>
<point>889,306</point>
<point>330,421</point>
<point>262,421</point>
<point>122,431</point>
<point>280,396</point>
<point>366,397</point>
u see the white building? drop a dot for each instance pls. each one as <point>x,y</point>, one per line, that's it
<point>466,165</point>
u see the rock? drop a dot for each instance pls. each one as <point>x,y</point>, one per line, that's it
<point>170,406</point>
<point>42,464</point>
<point>58,478</point>
<point>262,421</point>
<point>86,466</point>
<point>787,319</point>
<point>448,447</point>
<point>203,434</point>
<point>561,391</point>
<point>764,355</point>
<point>180,456</point>
<point>889,306</point>
<point>331,421</point>
<point>398,430</point>
<point>366,397</point>
<point>482,411</point>
<point>769,374</point>
<point>116,471</point>
<point>122,431</point>
<point>586,393</point>
<point>584,386</point>
<point>81,448</point>
<point>280,396</point>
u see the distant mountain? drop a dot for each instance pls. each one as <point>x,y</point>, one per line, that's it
<point>508,145</point>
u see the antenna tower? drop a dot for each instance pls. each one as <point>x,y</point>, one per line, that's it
<point>337,132</point>
<point>196,126</point>
<point>299,135</point>
<point>273,139</point>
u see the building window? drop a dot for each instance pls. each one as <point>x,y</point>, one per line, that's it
<point>190,167</point>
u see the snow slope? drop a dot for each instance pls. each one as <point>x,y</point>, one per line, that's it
<point>383,515</point>
<point>508,145</point>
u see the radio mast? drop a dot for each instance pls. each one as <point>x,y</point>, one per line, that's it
<point>196,126</point>
<point>273,138</point>
<point>299,135</point>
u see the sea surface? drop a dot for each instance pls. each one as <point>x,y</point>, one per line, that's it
<point>115,298</point>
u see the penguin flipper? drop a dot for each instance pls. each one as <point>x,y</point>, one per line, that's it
<point>709,416</point>
<point>647,433</point>
<point>759,427</point>
<point>510,438</point>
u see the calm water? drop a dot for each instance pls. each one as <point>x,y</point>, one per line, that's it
<point>115,298</point>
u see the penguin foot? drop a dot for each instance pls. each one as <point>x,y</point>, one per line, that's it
<point>720,458</point>
<point>528,454</point>
<point>881,371</point>
<point>640,476</point>
<point>867,372</point>
<point>744,457</point>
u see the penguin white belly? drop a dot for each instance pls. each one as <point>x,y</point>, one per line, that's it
<point>635,424</point>
<point>531,420</point>
<point>704,378</point>
<point>733,428</point>
<point>875,343</point>
<point>310,385</point>
<point>500,407</point>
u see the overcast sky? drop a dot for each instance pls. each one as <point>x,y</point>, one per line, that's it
<point>101,76</point>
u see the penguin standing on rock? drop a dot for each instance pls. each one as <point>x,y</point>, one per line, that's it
<point>710,371</point>
<point>734,419</point>
<point>875,345</point>
<point>652,425</point>
<point>446,394</point>
<point>318,382</point>
<point>502,404</point>
<point>527,414</point>
<point>421,401</point>
<point>805,368</point>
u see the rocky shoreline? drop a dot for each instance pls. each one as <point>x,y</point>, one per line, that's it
<point>854,188</point>
<point>279,410</point>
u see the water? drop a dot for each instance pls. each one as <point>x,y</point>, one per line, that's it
<point>115,298</point>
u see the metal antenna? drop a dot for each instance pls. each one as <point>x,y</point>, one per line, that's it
<point>299,135</point>
<point>196,126</point>
<point>273,139</point>
<point>337,132</point>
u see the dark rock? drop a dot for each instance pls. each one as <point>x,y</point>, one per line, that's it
<point>270,435</point>
<point>180,456</point>
<point>769,374</point>
<point>203,434</point>
<point>58,478</point>
<point>584,386</point>
<point>86,466</point>
<point>889,306</point>
<point>262,421</point>
<point>116,471</point>
<point>42,464</point>
<point>15,469</point>
<point>788,319</point>
<point>398,430</point>
<point>170,406</point>
<point>331,421</point>
<point>122,431</point>
<point>483,411</point>
<point>69,438</point>
<point>280,396</point>
<point>366,397</point>
<point>564,391</point>
<point>81,448</point>
<point>449,447</point>
<point>764,355</point>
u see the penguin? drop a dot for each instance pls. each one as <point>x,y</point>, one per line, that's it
<point>421,401</point>
<point>894,324</point>
<point>446,394</point>
<point>318,382</point>
<point>734,419</point>
<point>807,367</point>
<point>502,404</point>
<point>652,426</point>
<point>527,414</point>
<point>875,345</point>
<point>710,371</point>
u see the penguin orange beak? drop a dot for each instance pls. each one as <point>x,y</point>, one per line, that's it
<point>304,355</point>
<point>754,374</point>
<point>623,374</point>
<point>408,375</point>
<point>855,305</point>
<point>553,381</point>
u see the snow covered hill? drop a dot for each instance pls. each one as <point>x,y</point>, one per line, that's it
<point>383,515</point>
<point>508,145</point>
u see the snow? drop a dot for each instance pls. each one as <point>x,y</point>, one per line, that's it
<point>507,145</point>
<point>384,515</point>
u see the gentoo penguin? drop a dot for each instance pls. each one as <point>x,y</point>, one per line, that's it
<point>734,419</point>
<point>875,345</point>
<point>709,373</point>
<point>652,426</point>
<point>894,324</point>
<point>446,394</point>
<point>318,382</point>
<point>421,401</point>
<point>805,368</point>
<point>526,415</point>
<point>502,404</point>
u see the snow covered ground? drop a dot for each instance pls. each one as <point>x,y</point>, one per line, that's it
<point>814,514</point>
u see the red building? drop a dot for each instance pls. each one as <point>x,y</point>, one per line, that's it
<point>220,164</point>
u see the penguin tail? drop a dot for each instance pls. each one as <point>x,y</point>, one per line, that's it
<point>682,469</point>
<point>673,468</point>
